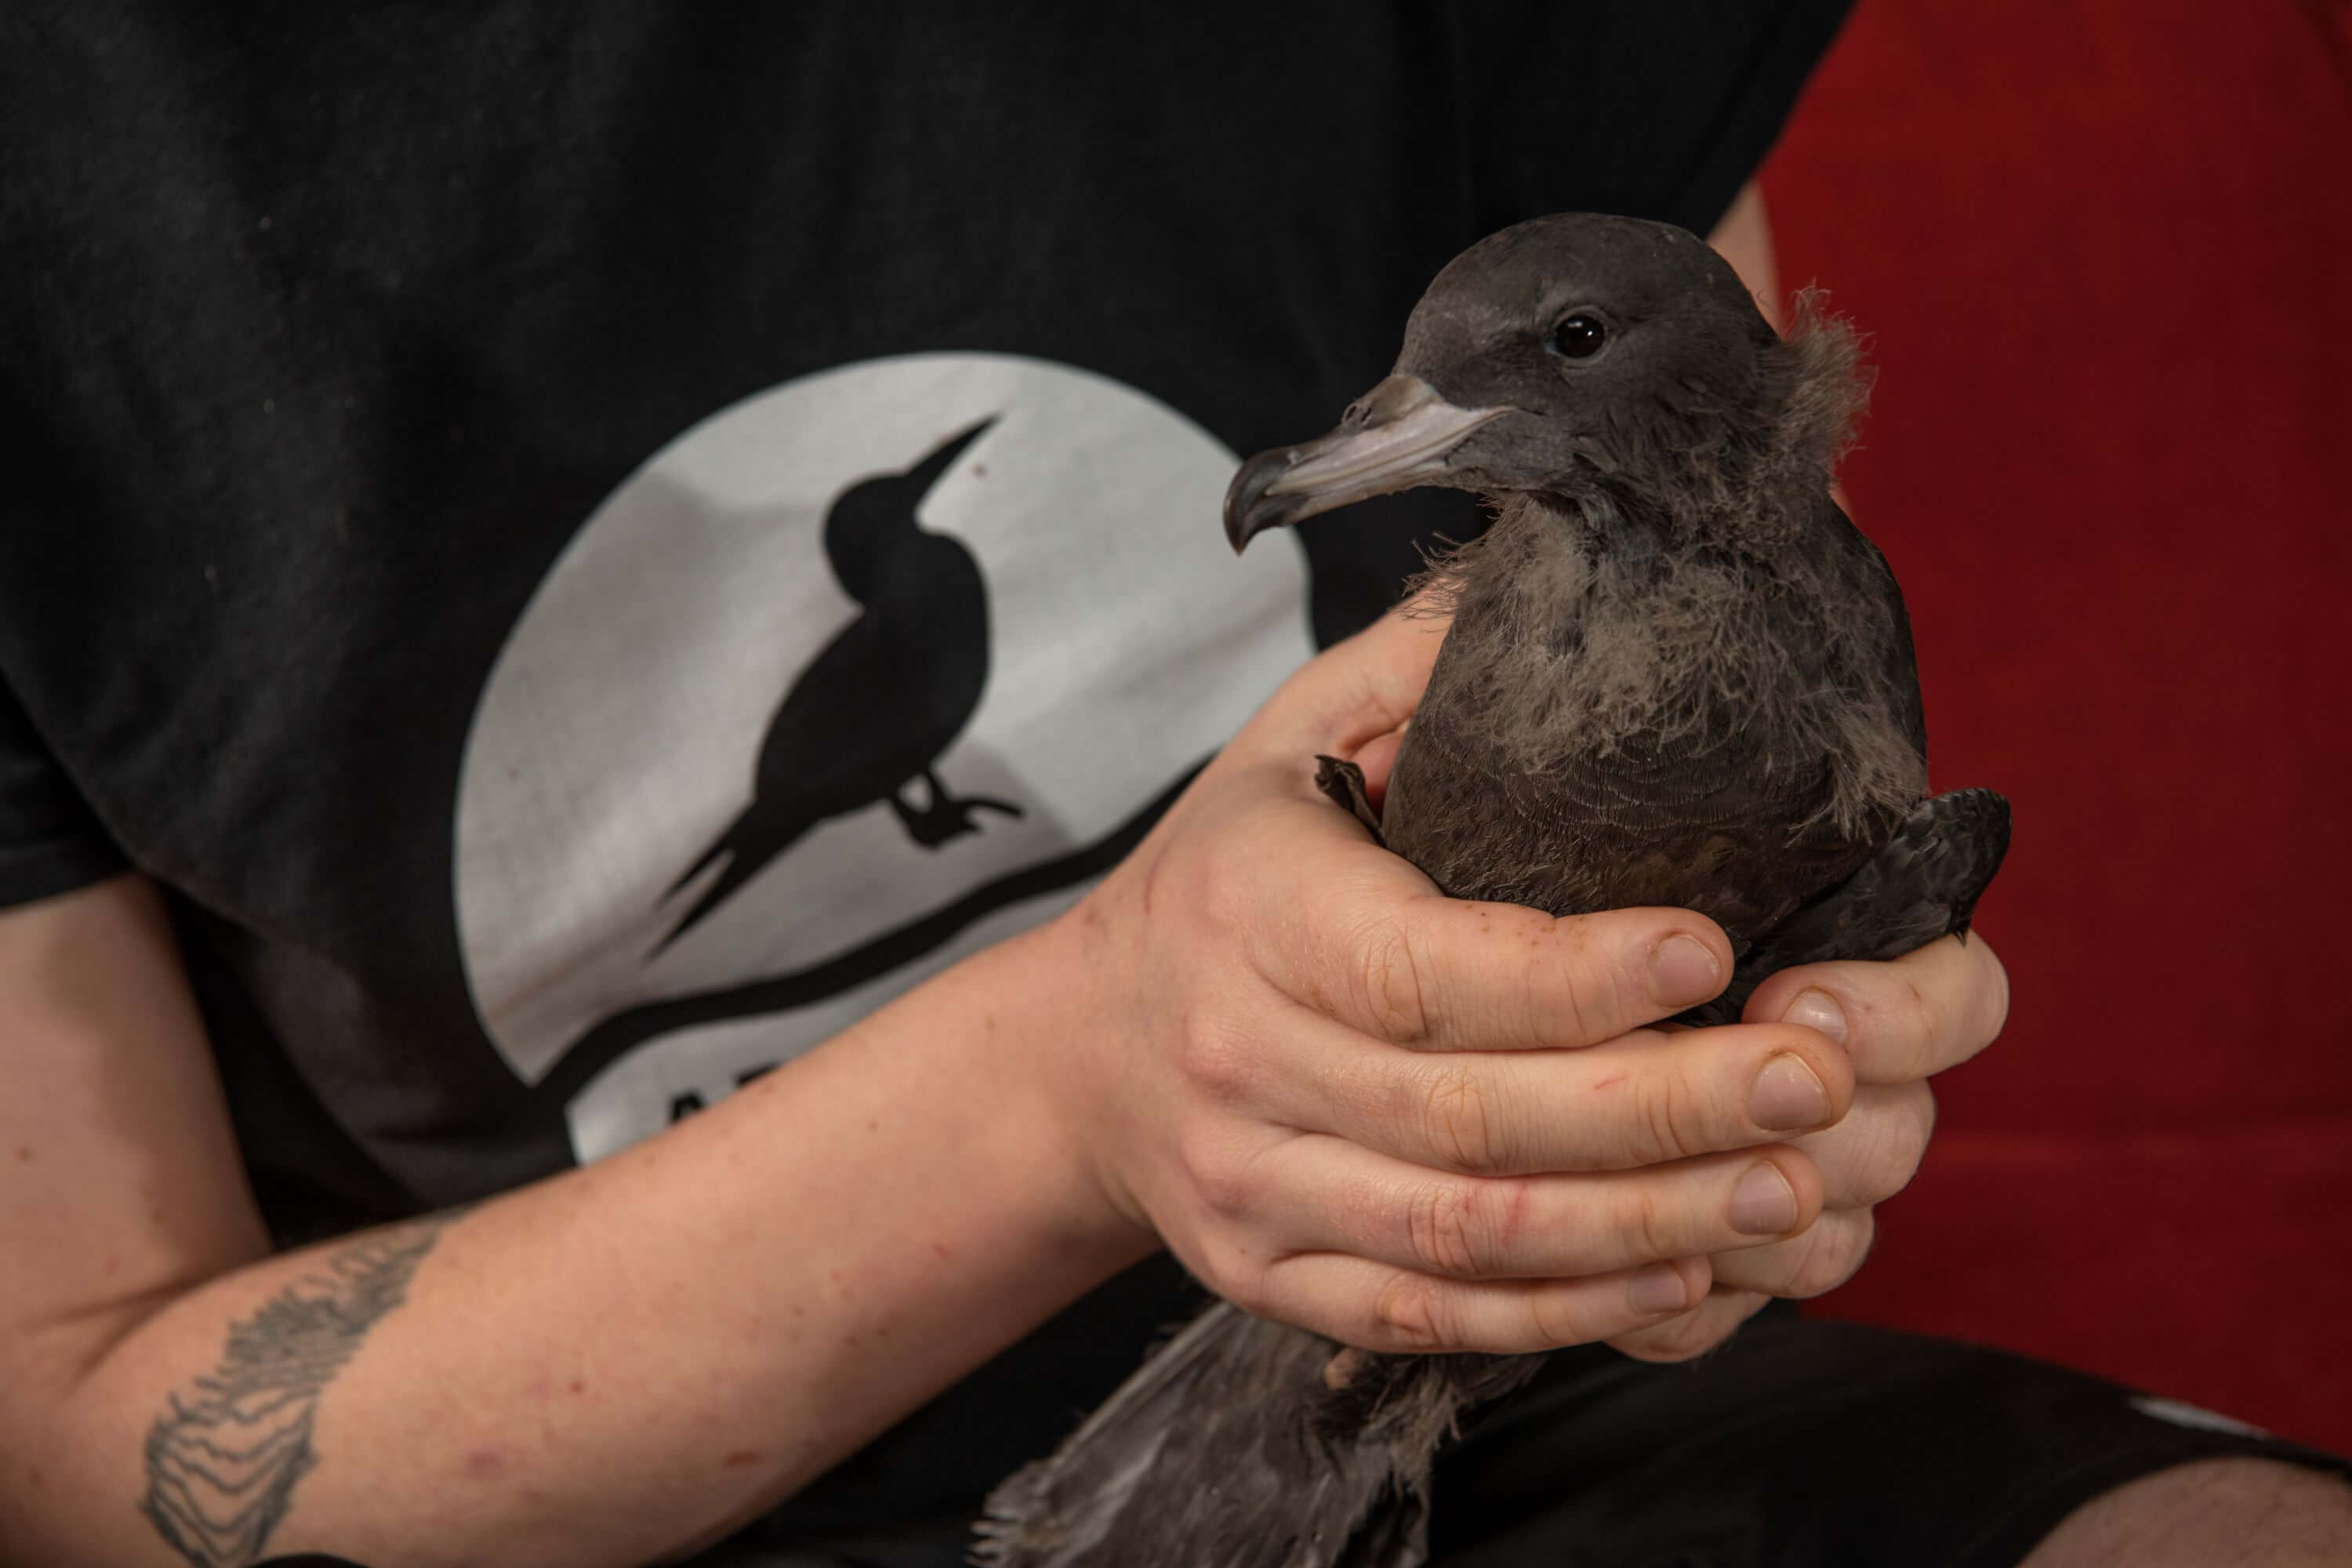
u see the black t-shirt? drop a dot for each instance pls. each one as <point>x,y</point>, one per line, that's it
<point>584,550</point>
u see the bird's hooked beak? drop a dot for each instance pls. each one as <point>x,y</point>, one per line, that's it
<point>1393,438</point>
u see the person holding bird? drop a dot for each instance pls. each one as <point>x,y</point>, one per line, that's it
<point>767,354</point>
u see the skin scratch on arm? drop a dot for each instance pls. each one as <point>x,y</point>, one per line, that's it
<point>224,1456</point>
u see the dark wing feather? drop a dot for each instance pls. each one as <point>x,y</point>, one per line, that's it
<point>1890,660</point>
<point>1922,885</point>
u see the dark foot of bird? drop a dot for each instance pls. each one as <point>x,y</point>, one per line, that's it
<point>946,815</point>
<point>1344,782</point>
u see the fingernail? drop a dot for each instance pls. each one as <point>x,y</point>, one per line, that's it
<point>1788,1096</point>
<point>1763,1204</point>
<point>1659,1288</point>
<point>1816,1010</point>
<point>1683,971</point>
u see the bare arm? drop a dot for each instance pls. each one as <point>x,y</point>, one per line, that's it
<point>603,1367</point>
<point>1744,238</point>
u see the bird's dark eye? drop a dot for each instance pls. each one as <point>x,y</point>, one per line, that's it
<point>1578,337</point>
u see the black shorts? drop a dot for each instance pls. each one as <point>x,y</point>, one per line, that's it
<point>1797,1443</point>
<point>1807,1443</point>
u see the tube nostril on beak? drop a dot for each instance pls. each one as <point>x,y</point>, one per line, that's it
<point>1395,398</point>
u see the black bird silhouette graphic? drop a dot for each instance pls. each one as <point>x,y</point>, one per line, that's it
<point>867,720</point>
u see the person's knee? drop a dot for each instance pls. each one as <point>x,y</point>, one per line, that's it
<point>2214,1513</point>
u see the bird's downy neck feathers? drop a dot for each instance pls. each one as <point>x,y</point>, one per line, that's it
<point>1740,463</point>
<point>1716,611</point>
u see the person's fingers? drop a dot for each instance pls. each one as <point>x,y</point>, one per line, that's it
<point>1418,969</point>
<point>1641,1100</point>
<point>1695,1332</point>
<point>1875,1148</point>
<point>1818,1259</point>
<point>1376,1307</point>
<point>1325,1194</point>
<point>1902,1020</point>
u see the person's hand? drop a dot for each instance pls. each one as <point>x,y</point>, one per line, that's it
<point>1407,1122</point>
<point>1900,1023</point>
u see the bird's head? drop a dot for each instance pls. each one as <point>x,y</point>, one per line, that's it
<point>1577,356</point>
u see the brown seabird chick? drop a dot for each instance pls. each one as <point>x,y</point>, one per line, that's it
<point>1677,675</point>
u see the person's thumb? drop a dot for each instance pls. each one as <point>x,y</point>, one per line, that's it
<point>1356,690</point>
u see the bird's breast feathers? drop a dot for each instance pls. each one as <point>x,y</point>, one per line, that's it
<point>1689,736</point>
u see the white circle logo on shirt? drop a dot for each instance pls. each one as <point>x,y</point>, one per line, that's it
<point>849,680</point>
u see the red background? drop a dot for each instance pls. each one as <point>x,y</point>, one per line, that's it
<point>2100,247</point>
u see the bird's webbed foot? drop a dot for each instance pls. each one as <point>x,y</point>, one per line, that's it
<point>1344,782</point>
<point>943,817</point>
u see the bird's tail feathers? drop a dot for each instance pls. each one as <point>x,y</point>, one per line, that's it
<point>1229,1448</point>
<point>1060,1509</point>
<point>1212,1456</point>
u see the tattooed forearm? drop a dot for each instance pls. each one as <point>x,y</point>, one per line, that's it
<point>223,1457</point>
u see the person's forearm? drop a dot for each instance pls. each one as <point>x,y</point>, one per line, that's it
<point>620,1362</point>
